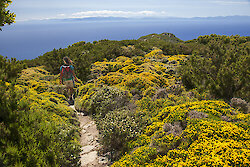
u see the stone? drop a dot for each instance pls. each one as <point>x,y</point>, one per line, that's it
<point>90,139</point>
<point>136,97</point>
<point>176,89</point>
<point>87,149</point>
<point>175,128</point>
<point>84,131</point>
<point>160,93</point>
<point>103,160</point>
<point>198,115</point>
<point>234,112</point>
<point>240,104</point>
<point>190,94</point>
<point>86,126</point>
<point>226,118</point>
<point>89,158</point>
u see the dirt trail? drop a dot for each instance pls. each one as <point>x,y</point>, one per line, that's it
<point>89,142</point>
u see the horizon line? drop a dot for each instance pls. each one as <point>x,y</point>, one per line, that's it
<point>132,18</point>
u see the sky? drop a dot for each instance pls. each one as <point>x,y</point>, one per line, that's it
<point>60,9</point>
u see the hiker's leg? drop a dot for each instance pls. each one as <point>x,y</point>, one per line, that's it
<point>70,88</point>
<point>68,92</point>
<point>71,91</point>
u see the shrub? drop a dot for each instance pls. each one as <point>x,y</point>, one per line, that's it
<point>101,100</point>
<point>223,70</point>
<point>179,138</point>
<point>36,127</point>
<point>108,99</point>
<point>117,128</point>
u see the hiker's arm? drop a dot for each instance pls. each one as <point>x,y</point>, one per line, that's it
<point>61,81</point>
<point>74,75</point>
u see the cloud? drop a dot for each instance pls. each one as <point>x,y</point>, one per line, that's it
<point>61,15</point>
<point>117,13</point>
<point>103,13</point>
<point>246,2</point>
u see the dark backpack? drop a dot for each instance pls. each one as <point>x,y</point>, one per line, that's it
<point>66,72</point>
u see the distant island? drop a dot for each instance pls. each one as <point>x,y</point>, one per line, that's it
<point>218,18</point>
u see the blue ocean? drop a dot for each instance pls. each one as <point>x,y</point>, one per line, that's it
<point>28,40</point>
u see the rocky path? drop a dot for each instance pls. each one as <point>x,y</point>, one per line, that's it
<point>89,142</point>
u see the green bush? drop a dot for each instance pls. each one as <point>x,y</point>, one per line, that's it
<point>10,68</point>
<point>116,129</point>
<point>223,70</point>
<point>36,129</point>
<point>101,100</point>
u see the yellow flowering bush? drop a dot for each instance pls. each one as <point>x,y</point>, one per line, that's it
<point>131,75</point>
<point>207,141</point>
<point>45,130</point>
<point>140,157</point>
<point>102,68</point>
<point>156,54</point>
<point>84,95</point>
<point>126,79</point>
<point>175,127</point>
<point>177,58</point>
<point>38,78</point>
<point>150,92</point>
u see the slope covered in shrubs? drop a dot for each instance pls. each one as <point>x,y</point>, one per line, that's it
<point>37,127</point>
<point>192,134</point>
<point>115,88</point>
<point>220,66</point>
<point>157,101</point>
<point>84,54</point>
<point>146,117</point>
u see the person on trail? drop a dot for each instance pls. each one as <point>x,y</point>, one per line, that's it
<point>67,77</point>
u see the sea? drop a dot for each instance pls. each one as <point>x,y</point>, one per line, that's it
<point>30,39</point>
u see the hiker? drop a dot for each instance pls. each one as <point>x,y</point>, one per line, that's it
<point>67,77</point>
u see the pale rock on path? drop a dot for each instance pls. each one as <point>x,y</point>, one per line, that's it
<point>89,142</point>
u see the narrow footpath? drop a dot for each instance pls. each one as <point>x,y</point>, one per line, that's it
<point>89,142</point>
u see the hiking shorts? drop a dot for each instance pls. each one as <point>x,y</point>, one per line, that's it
<point>69,84</point>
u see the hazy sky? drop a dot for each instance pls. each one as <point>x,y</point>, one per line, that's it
<point>46,9</point>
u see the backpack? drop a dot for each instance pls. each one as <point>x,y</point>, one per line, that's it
<point>66,72</point>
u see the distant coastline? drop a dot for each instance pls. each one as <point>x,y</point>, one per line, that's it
<point>217,18</point>
<point>30,39</point>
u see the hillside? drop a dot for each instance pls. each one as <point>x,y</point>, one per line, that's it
<point>155,102</point>
<point>167,37</point>
<point>147,118</point>
<point>37,127</point>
